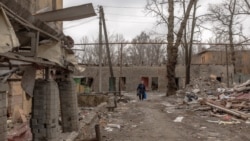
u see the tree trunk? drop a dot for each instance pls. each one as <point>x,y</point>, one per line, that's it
<point>231,35</point>
<point>172,48</point>
<point>188,67</point>
<point>171,61</point>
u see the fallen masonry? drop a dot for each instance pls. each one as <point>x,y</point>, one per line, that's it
<point>225,103</point>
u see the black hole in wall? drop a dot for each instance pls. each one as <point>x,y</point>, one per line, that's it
<point>154,83</point>
<point>219,79</point>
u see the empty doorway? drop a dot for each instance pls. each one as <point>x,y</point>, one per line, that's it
<point>154,84</point>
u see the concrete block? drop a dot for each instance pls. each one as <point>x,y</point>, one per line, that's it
<point>68,102</point>
<point>45,110</point>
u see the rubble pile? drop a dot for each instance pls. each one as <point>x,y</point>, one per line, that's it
<point>225,103</point>
<point>204,85</point>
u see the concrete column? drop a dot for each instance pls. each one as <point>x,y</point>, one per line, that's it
<point>3,116</point>
<point>45,111</point>
<point>69,106</point>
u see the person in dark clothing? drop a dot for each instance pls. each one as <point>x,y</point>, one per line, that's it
<point>141,90</point>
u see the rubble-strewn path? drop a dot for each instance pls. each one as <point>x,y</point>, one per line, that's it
<point>153,120</point>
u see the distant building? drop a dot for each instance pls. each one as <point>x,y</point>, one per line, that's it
<point>217,56</point>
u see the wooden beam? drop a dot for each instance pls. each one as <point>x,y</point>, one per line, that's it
<point>235,113</point>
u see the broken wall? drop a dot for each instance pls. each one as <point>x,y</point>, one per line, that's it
<point>242,64</point>
<point>204,71</point>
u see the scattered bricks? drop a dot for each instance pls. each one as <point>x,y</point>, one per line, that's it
<point>68,103</point>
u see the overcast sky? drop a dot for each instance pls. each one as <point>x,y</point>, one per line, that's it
<point>125,17</point>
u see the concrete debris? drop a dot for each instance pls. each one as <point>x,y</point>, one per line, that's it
<point>247,122</point>
<point>196,91</point>
<point>224,122</point>
<point>215,97</point>
<point>204,86</point>
<point>109,129</point>
<point>178,119</point>
<point>134,126</point>
<point>114,126</point>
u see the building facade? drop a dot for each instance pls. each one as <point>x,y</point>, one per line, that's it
<point>154,77</point>
<point>220,57</point>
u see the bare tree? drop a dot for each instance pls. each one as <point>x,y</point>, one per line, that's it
<point>189,46</point>
<point>185,54</point>
<point>226,22</point>
<point>86,55</point>
<point>138,51</point>
<point>158,51</point>
<point>244,7</point>
<point>172,49</point>
<point>146,54</point>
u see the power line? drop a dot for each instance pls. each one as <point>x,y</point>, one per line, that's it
<point>128,15</point>
<point>79,24</point>
<point>137,22</point>
<point>125,7</point>
<point>195,43</point>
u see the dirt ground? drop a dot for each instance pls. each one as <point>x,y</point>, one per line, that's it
<point>153,120</point>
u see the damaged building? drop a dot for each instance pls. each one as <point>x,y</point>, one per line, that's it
<point>217,55</point>
<point>154,77</point>
<point>36,64</point>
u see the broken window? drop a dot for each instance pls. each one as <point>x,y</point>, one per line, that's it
<point>112,82</point>
<point>87,84</point>
<point>87,81</point>
<point>177,82</point>
<point>154,83</point>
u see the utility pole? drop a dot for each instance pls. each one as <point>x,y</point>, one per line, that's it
<point>100,50</point>
<point>120,80</point>
<point>112,82</point>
